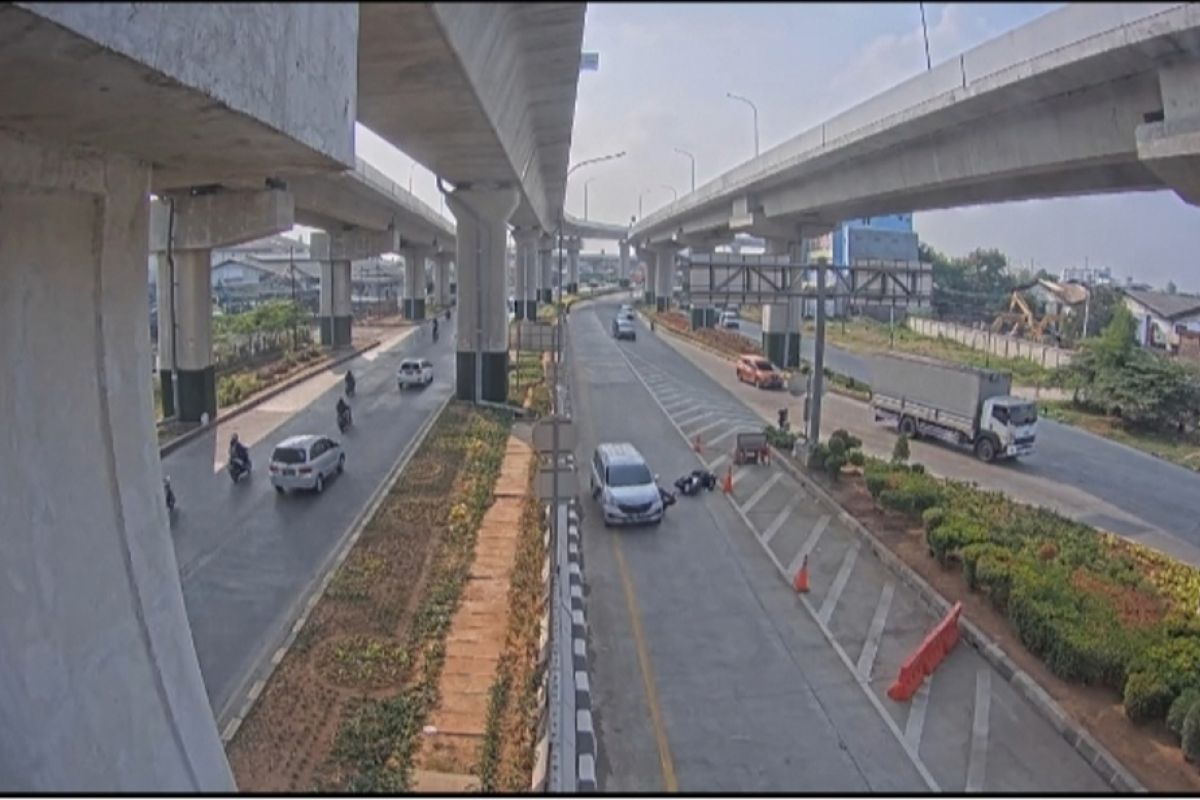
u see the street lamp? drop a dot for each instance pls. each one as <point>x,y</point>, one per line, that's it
<point>753,108</point>
<point>693,160</point>
<point>640,196</point>
<point>596,160</point>
<point>675,199</point>
<point>585,197</point>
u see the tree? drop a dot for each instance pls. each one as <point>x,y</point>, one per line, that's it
<point>971,288</point>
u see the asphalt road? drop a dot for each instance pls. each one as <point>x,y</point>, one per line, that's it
<point>1087,477</point>
<point>709,674</point>
<point>247,557</point>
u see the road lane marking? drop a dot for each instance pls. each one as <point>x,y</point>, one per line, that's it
<point>810,544</point>
<point>708,427</point>
<point>777,523</point>
<point>713,465</point>
<point>670,784</point>
<point>866,659</point>
<point>762,492</point>
<point>740,474</point>
<point>915,725</point>
<point>725,435</point>
<point>690,419</point>
<point>875,702</point>
<point>839,583</point>
<point>674,408</point>
<point>977,766</point>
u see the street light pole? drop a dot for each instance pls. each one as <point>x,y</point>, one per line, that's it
<point>585,197</point>
<point>640,196</point>
<point>673,192</point>
<point>692,158</point>
<point>753,108</point>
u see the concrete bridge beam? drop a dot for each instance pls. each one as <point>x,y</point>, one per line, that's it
<point>1170,148</point>
<point>482,216</point>
<point>102,686</point>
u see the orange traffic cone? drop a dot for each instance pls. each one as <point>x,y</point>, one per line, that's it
<point>727,483</point>
<point>801,582</point>
<point>697,444</point>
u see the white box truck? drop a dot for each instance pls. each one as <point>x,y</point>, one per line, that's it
<point>956,403</point>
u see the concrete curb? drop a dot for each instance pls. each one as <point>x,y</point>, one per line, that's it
<point>329,569</point>
<point>1109,768</point>
<point>539,780</point>
<point>262,397</point>
<point>585,734</point>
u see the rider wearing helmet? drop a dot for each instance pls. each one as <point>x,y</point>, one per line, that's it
<point>349,382</point>
<point>237,450</point>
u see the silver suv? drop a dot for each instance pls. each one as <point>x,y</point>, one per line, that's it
<point>624,487</point>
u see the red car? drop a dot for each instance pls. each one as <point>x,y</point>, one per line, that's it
<point>757,370</point>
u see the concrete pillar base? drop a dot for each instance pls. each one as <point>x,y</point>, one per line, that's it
<point>774,345</point>
<point>335,331</point>
<point>525,309</point>
<point>648,298</point>
<point>495,377</point>
<point>167,381</point>
<point>547,296</point>
<point>197,394</point>
<point>414,308</point>
<point>661,303</point>
<point>572,288</point>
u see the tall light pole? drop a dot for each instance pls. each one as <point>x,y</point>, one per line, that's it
<point>692,158</point>
<point>925,31</point>
<point>640,196</point>
<point>585,197</point>
<point>673,192</point>
<point>411,167</point>
<point>753,108</point>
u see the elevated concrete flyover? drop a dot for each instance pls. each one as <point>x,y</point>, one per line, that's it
<point>1089,98</point>
<point>590,229</point>
<point>101,105</point>
<point>482,94</point>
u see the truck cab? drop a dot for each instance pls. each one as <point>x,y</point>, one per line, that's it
<point>1012,425</point>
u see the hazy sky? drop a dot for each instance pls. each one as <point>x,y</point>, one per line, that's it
<point>664,72</point>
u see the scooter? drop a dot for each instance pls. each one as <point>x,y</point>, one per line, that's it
<point>170,494</point>
<point>237,468</point>
<point>344,419</point>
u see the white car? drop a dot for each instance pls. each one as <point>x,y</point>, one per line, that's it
<point>414,372</point>
<point>730,319</point>
<point>304,462</point>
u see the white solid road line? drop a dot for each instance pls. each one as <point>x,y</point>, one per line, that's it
<point>866,659</point>
<point>778,522</point>
<point>810,544</point>
<point>915,725</point>
<point>839,582</point>
<point>725,435</point>
<point>977,766</point>
<point>708,427</point>
<point>762,492</point>
<point>717,462</point>
<point>690,419</point>
<point>740,474</point>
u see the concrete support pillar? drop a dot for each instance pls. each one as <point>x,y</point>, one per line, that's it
<point>165,293</point>
<point>664,277</point>
<point>335,312</point>
<point>441,277</point>
<point>623,267</point>
<point>195,225</point>
<point>102,690</point>
<point>415,280</point>
<point>572,244</point>
<point>526,277</point>
<point>481,216</point>
<point>702,316</point>
<point>1170,148</point>
<point>649,274</point>
<point>335,250</point>
<point>545,291</point>
<point>782,345</point>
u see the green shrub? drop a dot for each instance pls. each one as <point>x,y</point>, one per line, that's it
<point>918,469</point>
<point>1178,712</point>
<point>857,458</point>
<point>1147,697</point>
<point>816,456</point>
<point>837,447</point>
<point>993,574</point>
<point>876,484</point>
<point>1190,734</point>
<point>847,438</point>
<point>954,533</point>
<point>834,463</point>
<point>900,452</point>
<point>1175,661</point>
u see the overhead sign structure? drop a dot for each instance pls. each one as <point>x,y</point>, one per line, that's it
<point>752,279</point>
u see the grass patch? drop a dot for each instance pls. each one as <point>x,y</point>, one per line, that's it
<point>866,336</point>
<point>1181,449</point>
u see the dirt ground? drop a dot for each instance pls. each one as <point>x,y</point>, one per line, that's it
<point>1148,751</point>
<point>352,645</point>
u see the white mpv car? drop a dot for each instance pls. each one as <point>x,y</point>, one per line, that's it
<point>414,372</point>
<point>624,487</point>
<point>304,462</point>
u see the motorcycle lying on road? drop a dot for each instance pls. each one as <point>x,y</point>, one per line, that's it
<point>237,468</point>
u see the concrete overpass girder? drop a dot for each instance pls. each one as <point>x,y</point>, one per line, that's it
<point>1170,148</point>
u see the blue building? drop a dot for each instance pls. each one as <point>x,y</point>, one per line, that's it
<point>888,238</point>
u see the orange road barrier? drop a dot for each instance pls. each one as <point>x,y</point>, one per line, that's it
<point>926,658</point>
<point>800,584</point>
<point>727,483</point>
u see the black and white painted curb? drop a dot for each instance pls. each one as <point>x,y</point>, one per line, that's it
<point>585,734</point>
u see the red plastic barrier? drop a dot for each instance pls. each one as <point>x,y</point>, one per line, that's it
<point>926,658</point>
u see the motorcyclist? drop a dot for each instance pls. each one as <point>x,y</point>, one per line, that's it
<point>435,329</point>
<point>447,315</point>
<point>343,409</point>
<point>349,382</point>
<point>238,452</point>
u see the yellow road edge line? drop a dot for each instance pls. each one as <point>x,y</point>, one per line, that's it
<point>639,641</point>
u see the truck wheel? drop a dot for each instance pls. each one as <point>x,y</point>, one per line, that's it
<point>985,450</point>
<point>908,426</point>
